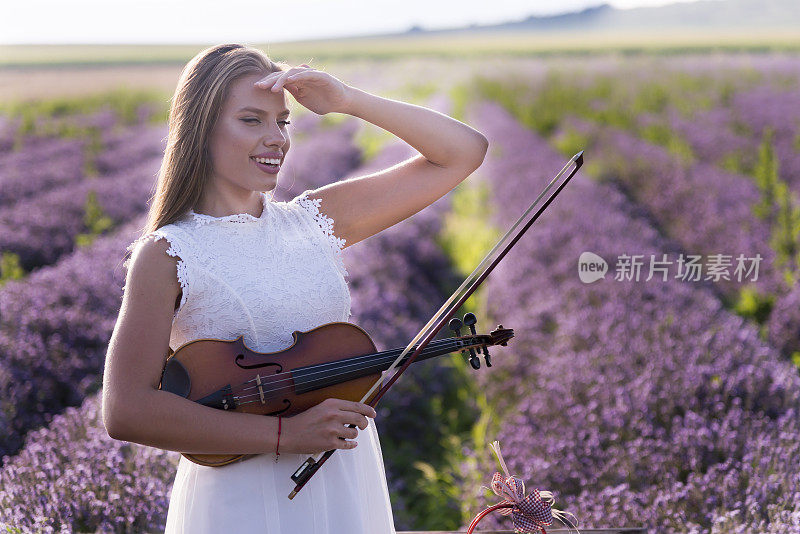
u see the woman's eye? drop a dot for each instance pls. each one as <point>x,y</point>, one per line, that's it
<point>256,120</point>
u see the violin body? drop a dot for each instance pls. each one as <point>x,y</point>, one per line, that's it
<point>335,360</point>
<point>205,368</point>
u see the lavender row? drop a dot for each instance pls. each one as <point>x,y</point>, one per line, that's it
<point>711,137</point>
<point>44,163</point>
<point>41,229</point>
<point>55,324</point>
<point>703,208</point>
<point>26,173</point>
<point>637,403</point>
<point>72,477</point>
<point>765,108</point>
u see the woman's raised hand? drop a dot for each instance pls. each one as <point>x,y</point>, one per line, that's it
<point>316,90</point>
<point>322,427</point>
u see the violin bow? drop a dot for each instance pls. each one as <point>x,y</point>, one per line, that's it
<point>304,473</point>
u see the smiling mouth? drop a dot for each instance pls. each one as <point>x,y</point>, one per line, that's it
<point>271,168</point>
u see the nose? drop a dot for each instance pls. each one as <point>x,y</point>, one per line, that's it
<point>275,137</point>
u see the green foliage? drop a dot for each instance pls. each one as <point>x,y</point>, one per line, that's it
<point>735,162</point>
<point>785,236</point>
<point>739,127</point>
<point>418,93</point>
<point>371,139</point>
<point>124,102</point>
<point>652,97</point>
<point>434,498</point>
<point>95,220</point>
<point>332,120</point>
<point>726,92</point>
<point>461,95</point>
<point>447,502</point>
<point>468,417</point>
<point>766,176</point>
<point>778,207</point>
<point>754,305</point>
<point>90,152</point>
<point>466,237</point>
<point>569,142</point>
<point>10,267</point>
<point>53,117</point>
<point>661,134</point>
<point>796,359</point>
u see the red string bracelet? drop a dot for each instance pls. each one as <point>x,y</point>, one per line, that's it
<point>279,440</point>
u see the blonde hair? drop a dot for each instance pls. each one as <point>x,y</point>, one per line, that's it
<point>194,110</point>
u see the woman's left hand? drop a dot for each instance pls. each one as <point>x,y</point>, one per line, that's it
<point>316,90</point>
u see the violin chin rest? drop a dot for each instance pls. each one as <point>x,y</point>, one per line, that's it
<point>175,378</point>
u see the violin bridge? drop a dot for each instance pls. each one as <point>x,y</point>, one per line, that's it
<point>260,389</point>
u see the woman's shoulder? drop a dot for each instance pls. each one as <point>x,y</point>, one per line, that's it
<point>153,263</point>
<point>170,240</point>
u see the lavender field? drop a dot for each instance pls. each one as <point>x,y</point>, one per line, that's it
<point>669,401</point>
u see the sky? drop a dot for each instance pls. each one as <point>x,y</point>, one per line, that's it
<point>255,21</point>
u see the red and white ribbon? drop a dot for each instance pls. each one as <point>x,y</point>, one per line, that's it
<point>529,513</point>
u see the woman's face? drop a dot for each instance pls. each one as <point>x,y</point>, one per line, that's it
<point>243,134</point>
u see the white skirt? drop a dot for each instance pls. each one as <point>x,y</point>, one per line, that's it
<point>348,494</point>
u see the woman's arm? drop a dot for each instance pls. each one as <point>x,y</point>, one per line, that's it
<point>363,206</point>
<point>443,140</point>
<point>134,409</point>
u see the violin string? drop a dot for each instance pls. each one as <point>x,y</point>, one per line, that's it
<point>272,392</point>
<point>323,367</point>
<point>379,362</point>
<point>326,376</point>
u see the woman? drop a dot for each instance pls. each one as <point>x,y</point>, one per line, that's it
<point>219,259</point>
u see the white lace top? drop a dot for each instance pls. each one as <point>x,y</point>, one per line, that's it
<point>265,277</point>
<point>262,277</point>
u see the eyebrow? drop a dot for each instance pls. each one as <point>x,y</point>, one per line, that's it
<point>256,110</point>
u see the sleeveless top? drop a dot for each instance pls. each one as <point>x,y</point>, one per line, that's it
<point>241,274</point>
<point>265,277</point>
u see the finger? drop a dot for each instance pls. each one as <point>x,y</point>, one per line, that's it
<point>273,76</point>
<point>355,419</point>
<point>364,409</point>
<point>281,82</point>
<point>348,432</point>
<point>281,79</point>
<point>344,444</point>
<point>357,407</point>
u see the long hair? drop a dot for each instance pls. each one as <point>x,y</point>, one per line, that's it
<point>194,110</point>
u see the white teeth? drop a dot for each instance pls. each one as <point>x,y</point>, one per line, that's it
<point>273,161</point>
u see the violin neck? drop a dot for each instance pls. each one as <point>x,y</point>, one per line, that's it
<point>309,378</point>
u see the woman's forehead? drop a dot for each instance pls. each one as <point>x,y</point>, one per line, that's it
<point>244,94</point>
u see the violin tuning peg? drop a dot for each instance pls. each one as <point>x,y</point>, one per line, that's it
<point>455,325</point>
<point>470,319</point>
<point>473,360</point>
<point>486,356</point>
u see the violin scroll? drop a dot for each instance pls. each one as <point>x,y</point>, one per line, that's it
<point>499,336</point>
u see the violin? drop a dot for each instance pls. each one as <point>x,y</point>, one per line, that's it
<point>334,360</point>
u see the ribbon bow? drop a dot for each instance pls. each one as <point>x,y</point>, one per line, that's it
<point>529,513</point>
